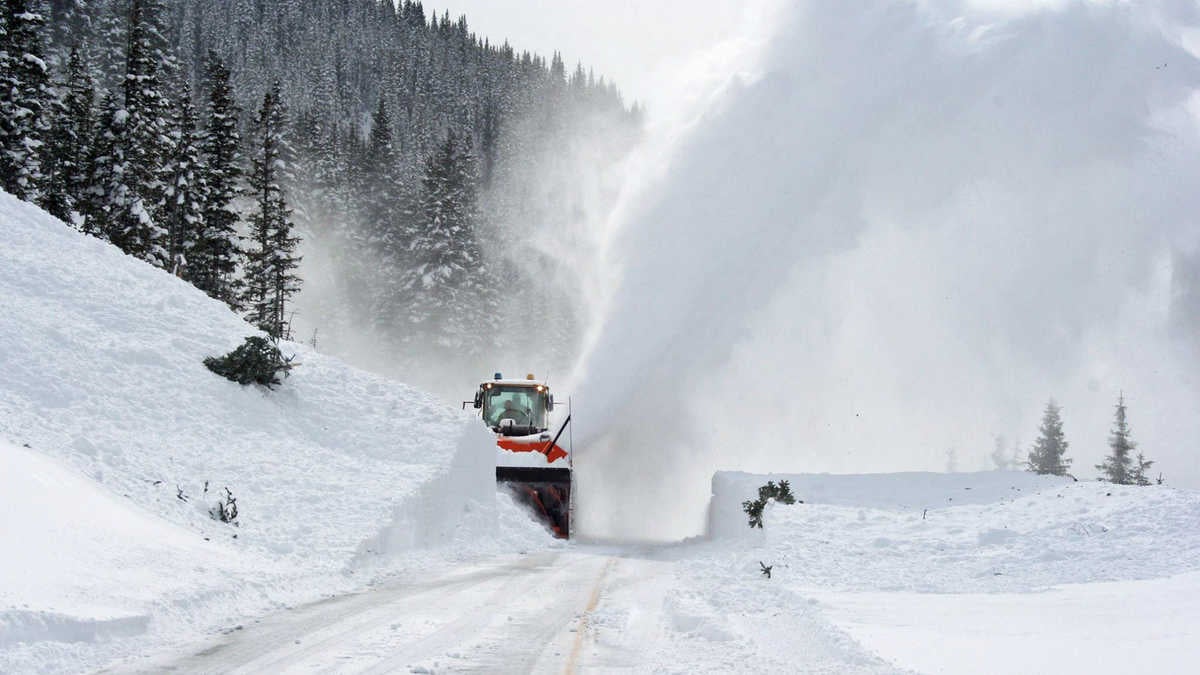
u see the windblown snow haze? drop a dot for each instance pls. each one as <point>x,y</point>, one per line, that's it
<point>910,228</point>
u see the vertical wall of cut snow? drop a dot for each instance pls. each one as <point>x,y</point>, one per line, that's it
<point>919,223</point>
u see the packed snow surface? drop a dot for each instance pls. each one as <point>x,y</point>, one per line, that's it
<point>871,574</point>
<point>117,443</point>
<point>981,572</point>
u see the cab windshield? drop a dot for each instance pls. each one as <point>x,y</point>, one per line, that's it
<point>525,406</point>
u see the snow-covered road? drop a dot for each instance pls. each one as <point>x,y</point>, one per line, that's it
<point>586,608</point>
<point>518,614</point>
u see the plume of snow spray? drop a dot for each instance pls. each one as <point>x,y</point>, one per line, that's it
<point>918,222</point>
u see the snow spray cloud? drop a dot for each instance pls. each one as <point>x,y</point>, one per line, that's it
<point>919,222</point>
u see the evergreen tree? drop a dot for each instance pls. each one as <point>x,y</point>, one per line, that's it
<point>271,280</point>
<point>216,254</point>
<point>184,192</point>
<point>108,40</point>
<point>25,97</point>
<point>1138,474</point>
<point>68,21</point>
<point>1000,457</point>
<point>144,135</point>
<point>448,285</point>
<point>386,211</point>
<point>116,209</point>
<point>1048,455</point>
<point>380,188</point>
<point>1118,465</point>
<point>105,157</point>
<point>65,161</point>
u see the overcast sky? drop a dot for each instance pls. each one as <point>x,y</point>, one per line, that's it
<point>634,42</point>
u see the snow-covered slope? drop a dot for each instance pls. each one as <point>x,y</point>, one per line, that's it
<point>974,572</point>
<point>103,378</point>
<point>76,556</point>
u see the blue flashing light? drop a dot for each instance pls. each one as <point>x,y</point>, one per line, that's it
<point>499,376</point>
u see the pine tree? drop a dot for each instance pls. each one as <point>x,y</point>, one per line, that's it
<point>386,212</point>
<point>1138,474</point>
<point>108,41</point>
<point>115,209</point>
<point>144,135</point>
<point>1048,455</point>
<point>1000,457</point>
<point>216,255</point>
<point>130,145</point>
<point>1118,465</point>
<point>25,98</point>
<point>184,191</point>
<point>65,161</point>
<point>68,21</point>
<point>271,280</point>
<point>451,299</point>
<point>380,189</point>
<point>105,157</point>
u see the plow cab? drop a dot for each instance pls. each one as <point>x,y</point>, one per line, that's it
<point>530,462</point>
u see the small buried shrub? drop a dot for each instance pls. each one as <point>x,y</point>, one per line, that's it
<point>225,510</point>
<point>781,493</point>
<point>257,361</point>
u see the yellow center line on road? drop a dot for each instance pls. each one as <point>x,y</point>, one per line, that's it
<point>581,629</point>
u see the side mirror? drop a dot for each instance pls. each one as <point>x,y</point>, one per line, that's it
<point>479,399</point>
<point>549,402</point>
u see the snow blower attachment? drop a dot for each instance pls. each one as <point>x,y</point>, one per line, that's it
<point>529,461</point>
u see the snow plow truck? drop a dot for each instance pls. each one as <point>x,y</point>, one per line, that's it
<point>529,460</point>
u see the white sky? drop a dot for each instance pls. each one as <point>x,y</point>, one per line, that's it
<point>637,43</point>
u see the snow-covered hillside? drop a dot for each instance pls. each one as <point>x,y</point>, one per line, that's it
<point>117,441</point>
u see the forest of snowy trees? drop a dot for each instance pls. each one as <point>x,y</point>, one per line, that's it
<point>210,138</point>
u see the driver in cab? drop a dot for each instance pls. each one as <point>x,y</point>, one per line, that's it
<point>512,412</point>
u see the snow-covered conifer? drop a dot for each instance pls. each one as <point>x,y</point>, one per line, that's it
<point>448,286</point>
<point>116,207</point>
<point>69,143</point>
<point>1118,465</point>
<point>271,278</point>
<point>1048,455</point>
<point>216,255</point>
<point>147,112</point>
<point>1137,476</point>
<point>25,98</point>
<point>184,189</point>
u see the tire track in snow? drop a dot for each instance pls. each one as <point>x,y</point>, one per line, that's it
<point>582,629</point>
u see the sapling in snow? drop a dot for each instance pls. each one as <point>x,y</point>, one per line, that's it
<point>1120,466</point>
<point>257,361</point>
<point>781,492</point>
<point>226,509</point>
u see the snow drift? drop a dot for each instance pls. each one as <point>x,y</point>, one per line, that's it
<point>917,223</point>
<point>129,441</point>
<point>945,572</point>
